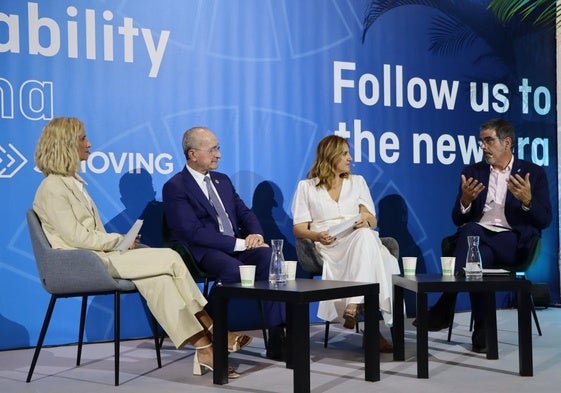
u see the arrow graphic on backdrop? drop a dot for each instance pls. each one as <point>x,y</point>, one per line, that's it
<point>10,163</point>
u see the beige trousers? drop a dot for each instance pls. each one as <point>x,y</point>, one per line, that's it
<point>164,281</point>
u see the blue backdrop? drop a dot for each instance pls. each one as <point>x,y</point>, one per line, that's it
<point>407,85</point>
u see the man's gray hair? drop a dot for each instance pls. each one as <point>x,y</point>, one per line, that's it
<point>191,139</point>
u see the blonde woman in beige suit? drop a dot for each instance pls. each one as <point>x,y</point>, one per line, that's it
<point>70,220</point>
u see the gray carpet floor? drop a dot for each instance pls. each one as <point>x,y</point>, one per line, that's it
<point>339,368</point>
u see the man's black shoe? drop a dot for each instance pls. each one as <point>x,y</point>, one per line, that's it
<point>276,345</point>
<point>478,349</point>
<point>441,314</point>
<point>436,321</point>
<point>479,338</point>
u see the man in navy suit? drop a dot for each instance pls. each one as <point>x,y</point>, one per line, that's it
<point>210,218</point>
<point>505,201</point>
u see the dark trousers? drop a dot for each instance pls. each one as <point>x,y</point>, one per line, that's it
<point>496,248</point>
<point>225,268</point>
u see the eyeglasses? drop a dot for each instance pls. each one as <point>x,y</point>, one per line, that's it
<point>488,141</point>
<point>212,150</point>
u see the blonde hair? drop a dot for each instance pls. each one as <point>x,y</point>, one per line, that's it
<point>57,149</point>
<point>328,152</point>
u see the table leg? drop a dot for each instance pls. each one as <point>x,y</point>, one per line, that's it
<point>525,360</point>
<point>220,341</point>
<point>299,330</point>
<point>491,326</point>
<point>289,355</point>
<point>398,324</point>
<point>422,336</point>
<point>371,337</point>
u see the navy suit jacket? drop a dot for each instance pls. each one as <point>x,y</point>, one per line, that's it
<point>527,224</point>
<point>192,220</point>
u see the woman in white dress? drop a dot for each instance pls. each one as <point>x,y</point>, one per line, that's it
<point>330,196</point>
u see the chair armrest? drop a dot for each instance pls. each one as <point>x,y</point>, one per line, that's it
<point>392,245</point>
<point>308,256</point>
<point>188,259</point>
<point>448,246</point>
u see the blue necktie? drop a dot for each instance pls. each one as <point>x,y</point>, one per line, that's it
<point>223,220</point>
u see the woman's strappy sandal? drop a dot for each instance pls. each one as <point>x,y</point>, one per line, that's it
<point>201,368</point>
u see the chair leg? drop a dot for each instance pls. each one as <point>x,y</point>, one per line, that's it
<point>450,327</point>
<point>326,337</point>
<point>205,288</point>
<point>42,336</point>
<point>533,310</point>
<point>535,315</point>
<point>117,330</point>
<point>81,329</point>
<point>154,325</point>
<point>262,317</point>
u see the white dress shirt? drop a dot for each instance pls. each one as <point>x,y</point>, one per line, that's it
<point>494,212</point>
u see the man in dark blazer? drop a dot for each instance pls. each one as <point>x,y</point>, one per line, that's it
<point>503,200</point>
<point>221,234</point>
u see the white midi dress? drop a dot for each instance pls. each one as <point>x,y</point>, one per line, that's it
<point>357,255</point>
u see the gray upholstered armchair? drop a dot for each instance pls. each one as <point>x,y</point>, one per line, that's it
<point>76,273</point>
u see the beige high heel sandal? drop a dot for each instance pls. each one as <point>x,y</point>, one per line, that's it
<point>385,346</point>
<point>350,316</point>
<point>201,368</point>
<point>239,341</point>
<point>198,367</point>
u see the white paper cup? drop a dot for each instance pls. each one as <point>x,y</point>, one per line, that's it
<point>247,275</point>
<point>290,269</point>
<point>448,265</point>
<point>409,265</point>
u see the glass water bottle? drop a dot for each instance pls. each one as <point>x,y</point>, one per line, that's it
<point>474,269</point>
<point>277,273</point>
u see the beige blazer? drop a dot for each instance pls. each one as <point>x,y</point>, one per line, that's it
<point>69,220</point>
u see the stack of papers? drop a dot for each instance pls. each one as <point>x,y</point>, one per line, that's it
<point>495,271</point>
<point>129,238</point>
<point>344,227</point>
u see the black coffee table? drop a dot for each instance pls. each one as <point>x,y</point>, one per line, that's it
<point>422,284</point>
<point>297,295</point>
